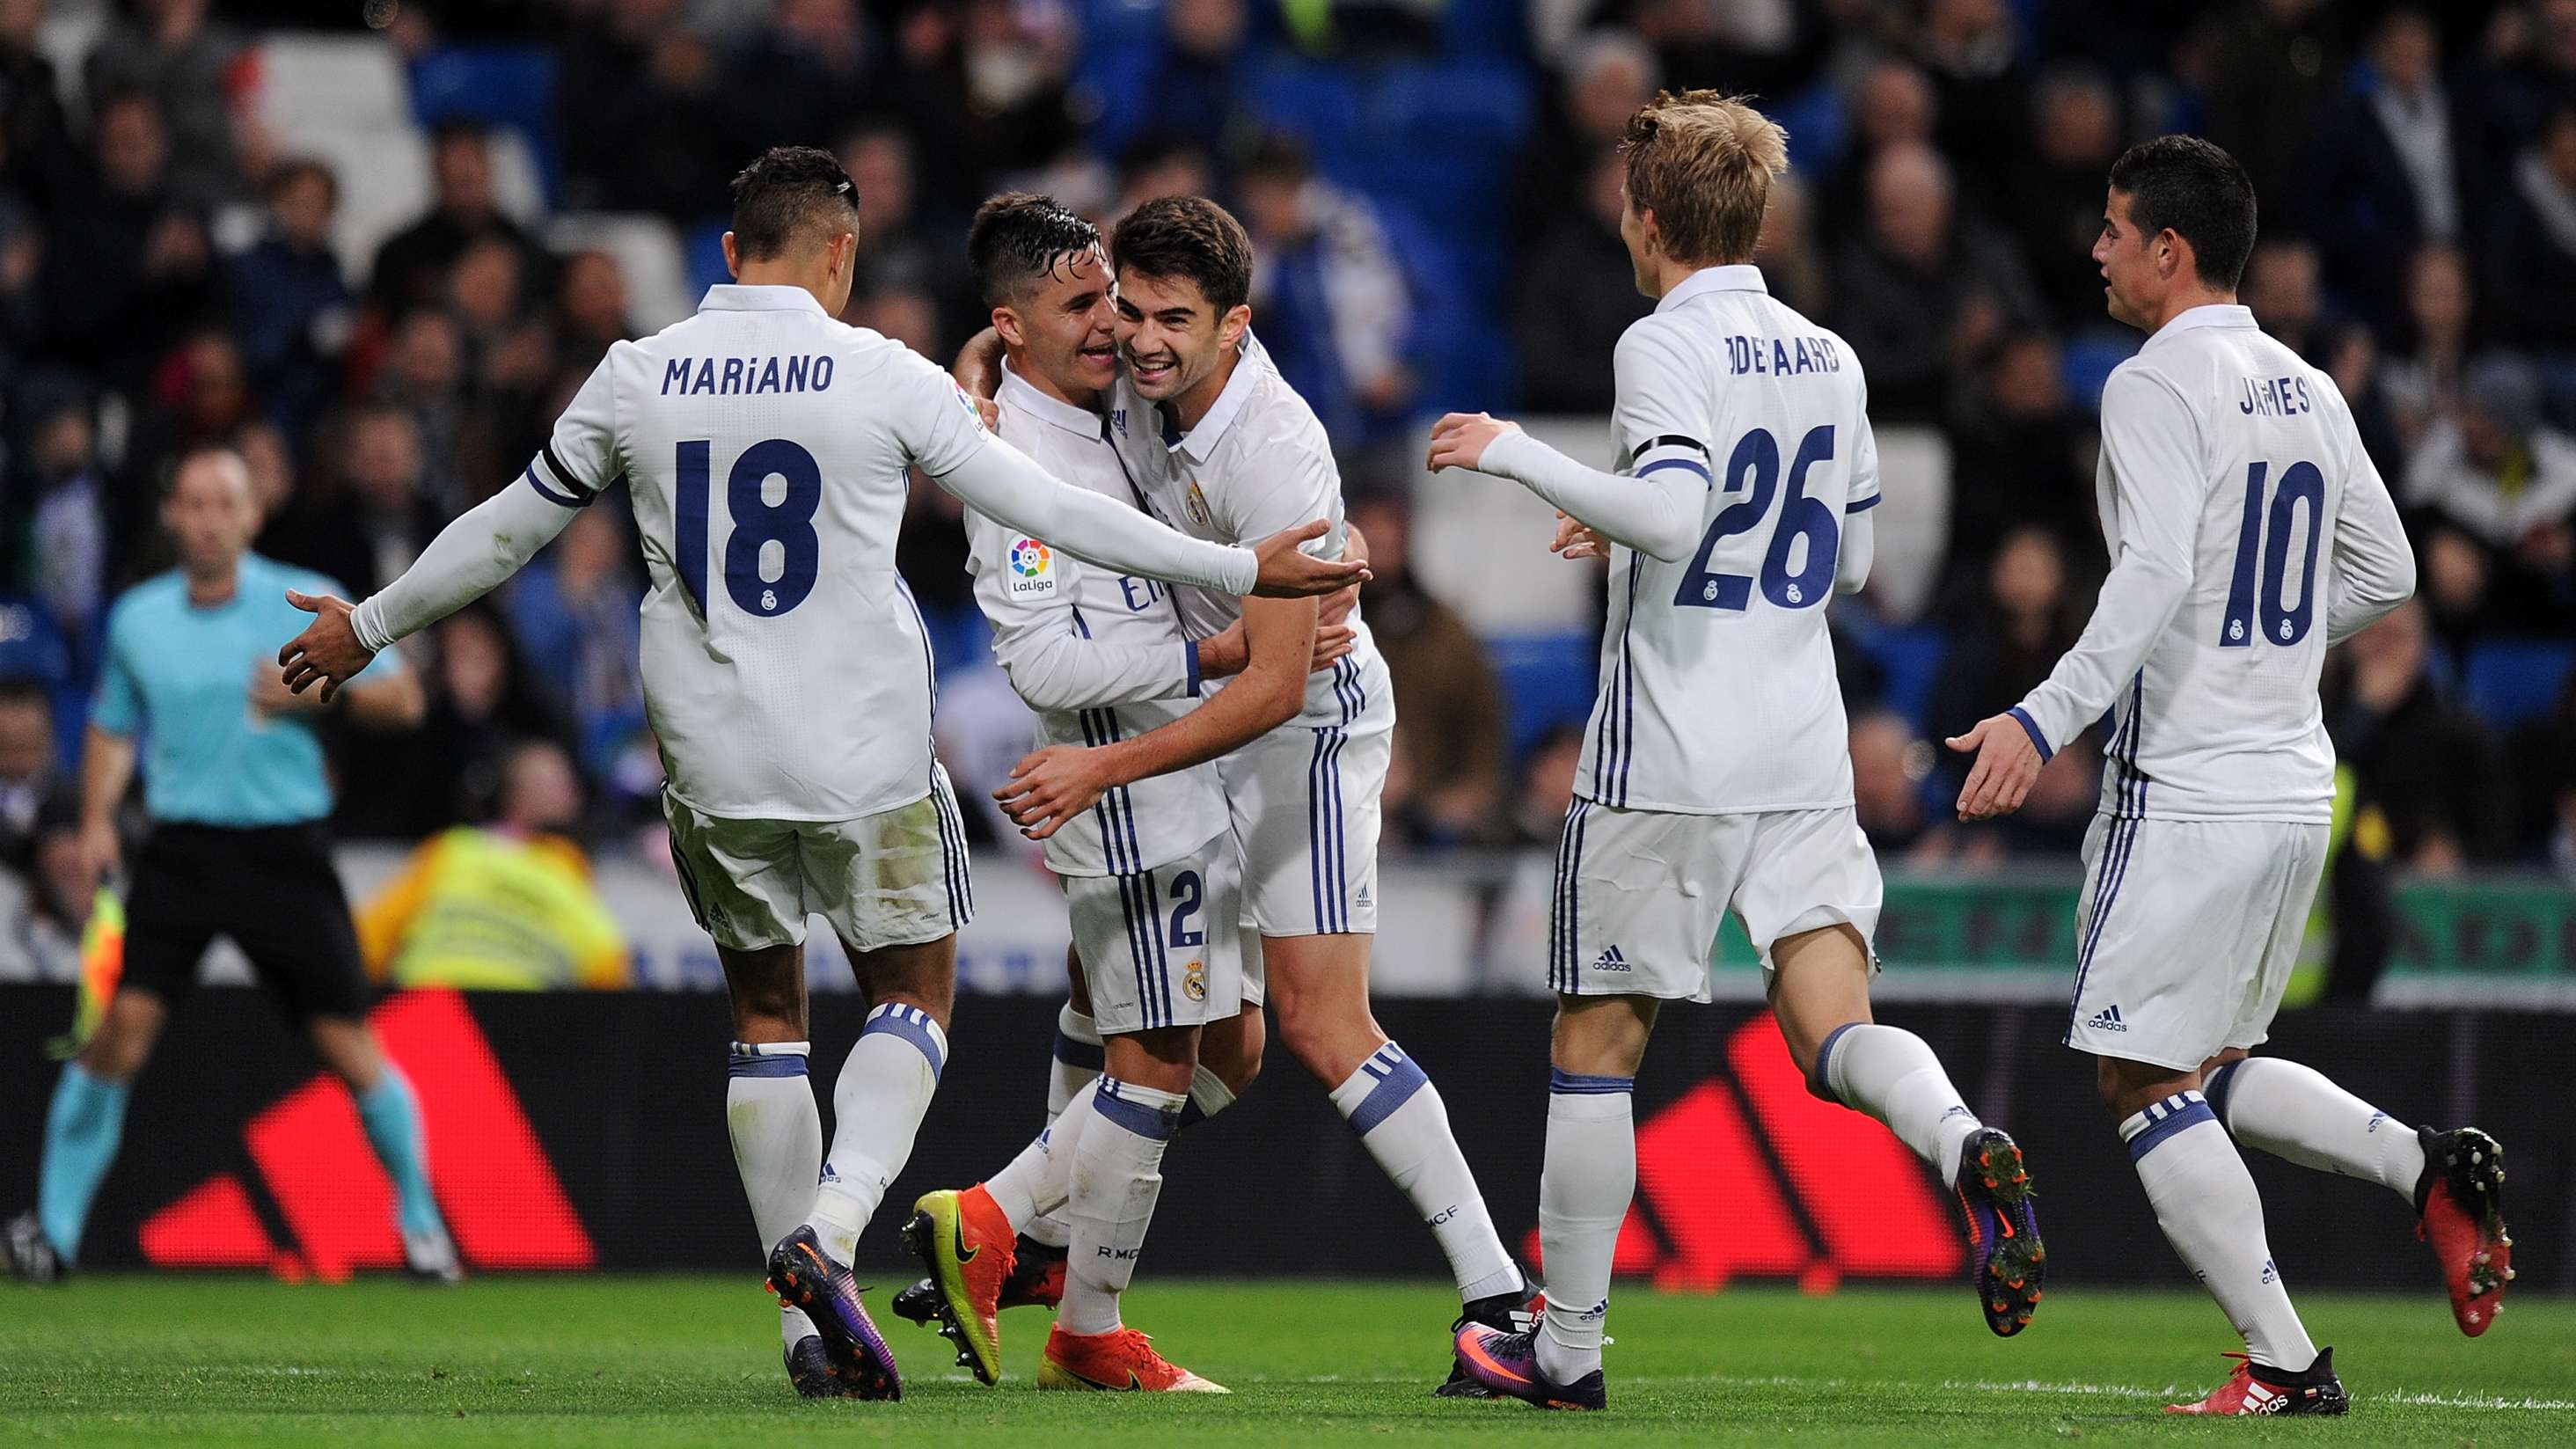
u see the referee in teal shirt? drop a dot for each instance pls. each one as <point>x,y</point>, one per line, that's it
<point>234,783</point>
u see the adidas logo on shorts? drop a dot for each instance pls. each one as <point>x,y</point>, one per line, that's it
<point>2107,1019</point>
<point>1610,960</point>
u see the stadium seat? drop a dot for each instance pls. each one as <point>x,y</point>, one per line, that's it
<point>702,250</point>
<point>342,100</point>
<point>33,647</point>
<point>1912,532</point>
<point>2513,682</point>
<point>1547,679</point>
<point>647,249</point>
<point>1912,657</point>
<point>2088,362</point>
<point>508,87</point>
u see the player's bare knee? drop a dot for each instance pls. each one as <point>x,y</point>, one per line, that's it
<point>922,975</point>
<point>1231,1049</point>
<point>1162,1058</point>
<point>2126,1087</point>
<point>348,1048</point>
<point>1601,1036</point>
<point>125,1037</point>
<point>767,988</point>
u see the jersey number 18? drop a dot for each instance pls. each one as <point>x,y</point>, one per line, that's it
<point>758,524</point>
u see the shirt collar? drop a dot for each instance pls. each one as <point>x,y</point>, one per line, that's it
<point>735,297</point>
<point>1200,442</point>
<point>1735,277</point>
<point>2208,314</point>
<point>1027,396</point>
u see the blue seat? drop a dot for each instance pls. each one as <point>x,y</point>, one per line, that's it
<point>703,248</point>
<point>33,647</point>
<point>1547,681</point>
<point>2088,361</point>
<point>509,86</point>
<point>1912,657</point>
<point>2512,682</point>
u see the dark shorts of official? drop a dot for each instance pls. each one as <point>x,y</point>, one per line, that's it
<point>272,889</point>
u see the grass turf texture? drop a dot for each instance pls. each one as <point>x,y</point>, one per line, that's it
<point>650,1361</point>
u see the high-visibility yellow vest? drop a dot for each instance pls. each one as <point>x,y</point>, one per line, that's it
<point>488,910</point>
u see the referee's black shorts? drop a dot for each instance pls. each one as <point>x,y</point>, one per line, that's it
<point>272,889</point>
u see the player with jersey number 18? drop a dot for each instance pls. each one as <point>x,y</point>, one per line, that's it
<point>768,449</point>
<point>2249,531</point>
<point>1715,773</point>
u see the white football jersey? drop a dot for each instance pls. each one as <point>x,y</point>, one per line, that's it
<point>1258,462</point>
<point>1099,655</point>
<point>2248,529</point>
<point>766,445</point>
<point>1717,688</point>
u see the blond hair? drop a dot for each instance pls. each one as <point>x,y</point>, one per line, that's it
<point>1702,162</point>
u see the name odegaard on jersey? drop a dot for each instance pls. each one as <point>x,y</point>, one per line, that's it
<point>687,376</point>
<point>1782,357</point>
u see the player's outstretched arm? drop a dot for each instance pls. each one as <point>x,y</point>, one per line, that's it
<point>1654,513</point>
<point>1058,783</point>
<point>468,559</point>
<point>1001,481</point>
<point>978,368</point>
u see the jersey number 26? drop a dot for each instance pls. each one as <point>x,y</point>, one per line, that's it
<point>1756,463</point>
<point>758,525</point>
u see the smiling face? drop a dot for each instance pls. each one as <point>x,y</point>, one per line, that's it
<point>1062,328</point>
<point>1170,335</point>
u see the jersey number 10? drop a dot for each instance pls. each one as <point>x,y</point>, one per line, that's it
<point>757,523</point>
<point>2280,621</point>
<point>1756,462</point>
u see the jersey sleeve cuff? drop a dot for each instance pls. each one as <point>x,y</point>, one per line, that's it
<point>1190,651</point>
<point>366,621</point>
<point>2030,727</point>
<point>1862,505</point>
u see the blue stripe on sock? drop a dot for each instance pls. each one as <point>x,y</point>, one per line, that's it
<point>1136,1117</point>
<point>1576,1084</point>
<point>1397,1080</point>
<point>1818,1082</point>
<point>748,1066</point>
<point>1090,1056</point>
<point>913,1025</point>
<point>2166,1119</point>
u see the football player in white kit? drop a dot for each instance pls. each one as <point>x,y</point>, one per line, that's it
<point>2249,531</point>
<point>1716,773</point>
<point>789,681</point>
<point>1150,881</point>
<point>1219,444</point>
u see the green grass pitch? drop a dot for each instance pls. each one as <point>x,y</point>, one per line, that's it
<point>169,1361</point>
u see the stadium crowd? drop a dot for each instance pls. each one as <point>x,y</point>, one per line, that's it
<point>168,280</point>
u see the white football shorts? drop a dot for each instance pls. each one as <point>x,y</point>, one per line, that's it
<point>2187,934</point>
<point>1640,894</point>
<point>897,878</point>
<point>1161,947</point>
<point>1305,806</point>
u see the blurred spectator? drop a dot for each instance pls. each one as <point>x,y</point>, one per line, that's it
<point>1971,48</point>
<point>424,376</point>
<point>1547,786</point>
<point>483,700</point>
<point>1448,703</point>
<point>1923,290</point>
<point>411,267</point>
<point>503,907</point>
<point>1578,292</point>
<point>2532,72</point>
<point>1160,166</point>
<point>2057,196</point>
<point>648,121</point>
<point>2387,179</point>
<point>897,252</point>
<point>2420,382</point>
<point>127,266</point>
<point>809,68</point>
<point>574,610</point>
<point>290,305</point>
<point>1607,75</point>
<point>590,311</point>
<point>2018,461</point>
<point>2500,482</point>
<point>30,777</point>
<point>1894,107</point>
<point>166,50</point>
<point>906,314</point>
<point>1759,48</point>
<point>200,396</point>
<point>2270,73</point>
<point>1888,769</point>
<point>2027,620</point>
<point>2284,290</point>
<point>2531,271</point>
<point>1792,263</point>
<point>61,538</point>
<point>1197,87</point>
<point>1332,302</point>
<point>369,529</point>
<point>36,156</point>
<point>2429,792</point>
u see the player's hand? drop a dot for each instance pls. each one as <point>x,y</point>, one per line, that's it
<point>1053,786</point>
<point>270,696</point>
<point>1287,573</point>
<point>328,651</point>
<point>2007,763</point>
<point>1460,439</point>
<point>1226,652</point>
<point>1574,540</point>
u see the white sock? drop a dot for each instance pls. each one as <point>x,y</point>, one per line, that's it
<point>1209,1095</point>
<point>1401,1121</point>
<point>2205,1201</point>
<point>1117,1175</point>
<point>1583,1193</point>
<point>1037,1183</point>
<point>777,1145</point>
<point>1891,1074</point>
<point>2294,1112</point>
<point>877,1104</point>
<point>1077,1064</point>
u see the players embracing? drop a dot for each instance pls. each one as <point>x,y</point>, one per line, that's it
<point>1716,772</point>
